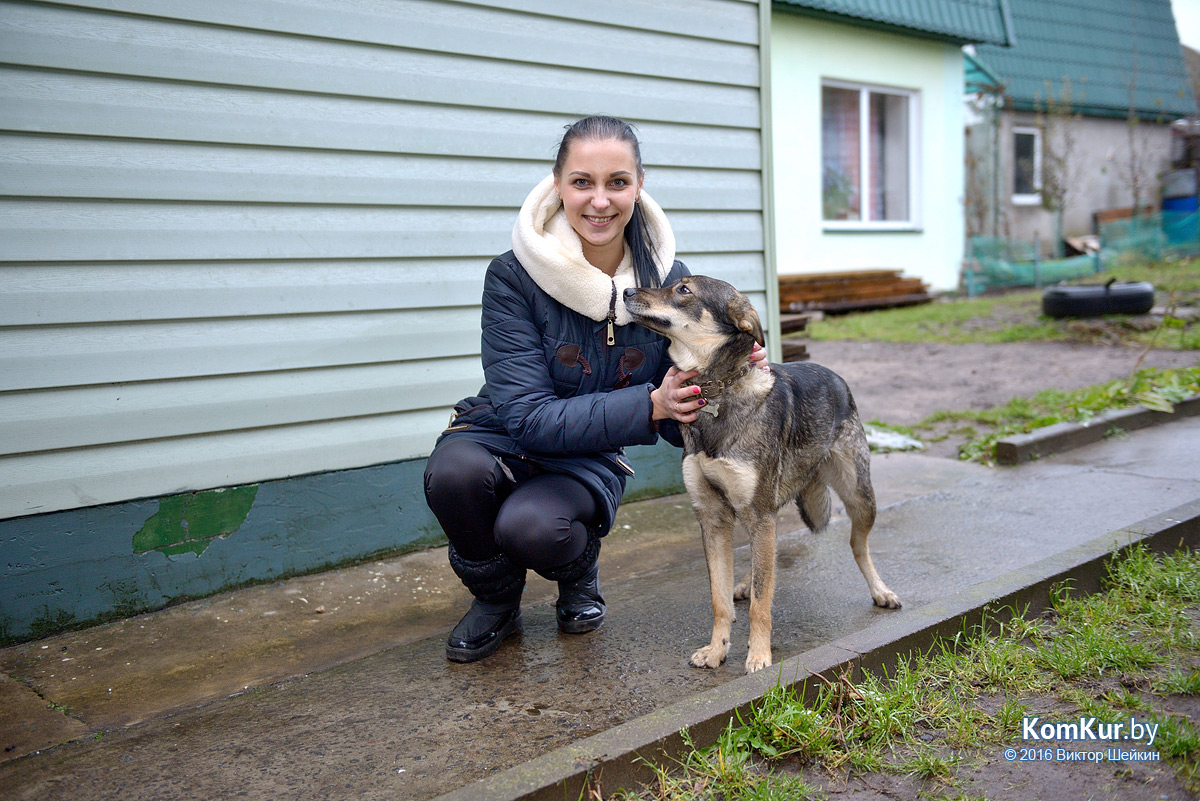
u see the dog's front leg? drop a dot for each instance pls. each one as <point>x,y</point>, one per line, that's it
<point>762,590</point>
<point>716,529</point>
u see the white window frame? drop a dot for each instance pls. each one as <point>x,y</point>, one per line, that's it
<point>1026,199</point>
<point>913,223</point>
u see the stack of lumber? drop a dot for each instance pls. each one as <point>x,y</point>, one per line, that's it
<point>857,290</point>
<point>794,350</point>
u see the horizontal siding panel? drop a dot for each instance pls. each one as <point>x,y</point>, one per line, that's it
<point>96,168</point>
<point>473,30</point>
<point>56,231</point>
<point>119,292</point>
<point>744,270</point>
<point>105,293</point>
<point>32,230</point>
<point>63,356</point>
<point>46,482</point>
<point>718,19</point>
<point>41,37</point>
<point>96,105</point>
<point>111,414</point>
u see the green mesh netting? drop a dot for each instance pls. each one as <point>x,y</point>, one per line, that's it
<point>994,262</point>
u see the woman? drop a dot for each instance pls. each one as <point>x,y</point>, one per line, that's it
<point>529,474</point>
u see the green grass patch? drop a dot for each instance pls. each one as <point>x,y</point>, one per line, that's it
<point>1153,388</point>
<point>927,718</point>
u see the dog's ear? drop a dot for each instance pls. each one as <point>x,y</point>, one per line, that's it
<point>743,315</point>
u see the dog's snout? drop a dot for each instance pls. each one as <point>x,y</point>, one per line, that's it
<point>630,293</point>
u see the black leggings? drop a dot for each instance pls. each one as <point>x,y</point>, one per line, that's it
<point>538,520</point>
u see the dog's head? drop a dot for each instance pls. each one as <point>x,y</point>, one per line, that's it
<point>705,318</point>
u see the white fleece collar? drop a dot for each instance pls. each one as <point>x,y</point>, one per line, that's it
<point>550,251</point>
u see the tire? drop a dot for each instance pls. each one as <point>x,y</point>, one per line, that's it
<point>1095,300</point>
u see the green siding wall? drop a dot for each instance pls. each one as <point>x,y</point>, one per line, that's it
<point>243,241</point>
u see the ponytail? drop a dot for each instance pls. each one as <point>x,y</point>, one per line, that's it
<point>641,249</point>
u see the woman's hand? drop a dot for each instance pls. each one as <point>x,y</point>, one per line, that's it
<point>758,358</point>
<point>675,402</point>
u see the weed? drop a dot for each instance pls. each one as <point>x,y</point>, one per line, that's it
<point>1158,389</point>
<point>925,720</point>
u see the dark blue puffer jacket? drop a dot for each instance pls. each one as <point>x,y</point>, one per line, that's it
<point>557,394</point>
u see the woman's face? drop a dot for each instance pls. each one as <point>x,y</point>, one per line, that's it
<point>599,185</point>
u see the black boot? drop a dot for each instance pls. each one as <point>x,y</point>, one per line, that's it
<point>580,607</point>
<point>496,584</point>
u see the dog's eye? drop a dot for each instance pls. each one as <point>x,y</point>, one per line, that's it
<point>683,290</point>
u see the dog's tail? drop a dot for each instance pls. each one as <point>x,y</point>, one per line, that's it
<point>814,505</point>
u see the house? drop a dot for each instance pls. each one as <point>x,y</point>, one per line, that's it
<point>867,116</point>
<point>1086,98</point>
<point>243,247</point>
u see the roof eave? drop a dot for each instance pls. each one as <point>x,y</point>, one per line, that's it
<point>949,37</point>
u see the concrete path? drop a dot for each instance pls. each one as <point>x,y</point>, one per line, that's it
<point>335,685</point>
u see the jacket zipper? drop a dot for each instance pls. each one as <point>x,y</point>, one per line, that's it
<point>612,315</point>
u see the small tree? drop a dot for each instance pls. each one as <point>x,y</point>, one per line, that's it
<point>1056,118</point>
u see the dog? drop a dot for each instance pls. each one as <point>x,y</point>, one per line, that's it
<point>763,439</point>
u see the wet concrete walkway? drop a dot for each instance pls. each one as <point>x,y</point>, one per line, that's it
<point>335,685</point>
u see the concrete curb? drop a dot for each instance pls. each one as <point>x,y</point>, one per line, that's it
<point>613,758</point>
<point>1065,436</point>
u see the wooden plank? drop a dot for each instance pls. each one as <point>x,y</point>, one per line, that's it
<point>794,351</point>
<point>857,275</point>
<point>791,323</point>
<point>37,37</point>
<point>115,106</point>
<point>863,290</point>
<point>862,305</point>
<point>110,414</point>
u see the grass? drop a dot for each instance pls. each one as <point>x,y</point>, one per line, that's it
<point>1016,316</point>
<point>1110,655</point>
<point>1154,388</point>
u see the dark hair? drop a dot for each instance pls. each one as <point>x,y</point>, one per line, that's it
<point>637,232</point>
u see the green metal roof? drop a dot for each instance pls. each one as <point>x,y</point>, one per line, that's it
<point>957,21</point>
<point>1103,47</point>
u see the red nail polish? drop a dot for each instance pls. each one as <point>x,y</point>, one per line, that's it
<point>695,390</point>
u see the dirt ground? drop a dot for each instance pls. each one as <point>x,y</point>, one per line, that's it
<point>902,383</point>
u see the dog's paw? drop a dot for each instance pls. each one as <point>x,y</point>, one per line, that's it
<point>886,599</point>
<point>757,661</point>
<point>710,656</point>
<point>742,591</point>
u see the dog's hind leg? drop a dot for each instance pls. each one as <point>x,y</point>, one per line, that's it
<point>762,590</point>
<point>741,590</point>
<point>850,476</point>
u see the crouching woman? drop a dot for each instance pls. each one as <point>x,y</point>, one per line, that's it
<point>530,473</point>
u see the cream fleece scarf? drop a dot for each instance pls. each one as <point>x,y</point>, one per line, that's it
<point>550,251</point>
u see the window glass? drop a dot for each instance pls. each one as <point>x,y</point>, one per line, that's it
<point>1025,163</point>
<point>888,147</point>
<point>840,157</point>
<point>866,174</point>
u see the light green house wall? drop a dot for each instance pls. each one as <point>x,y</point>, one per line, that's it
<point>242,244</point>
<point>804,51</point>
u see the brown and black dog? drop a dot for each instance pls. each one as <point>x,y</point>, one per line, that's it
<point>762,440</point>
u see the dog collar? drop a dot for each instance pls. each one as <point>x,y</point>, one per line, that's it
<point>713,389</point>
